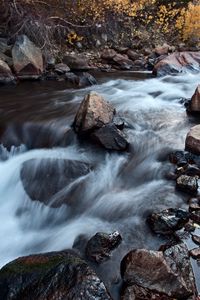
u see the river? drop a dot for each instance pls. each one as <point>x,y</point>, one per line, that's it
<point>121,190</point>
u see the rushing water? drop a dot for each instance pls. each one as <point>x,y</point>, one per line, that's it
<point>120,191</point>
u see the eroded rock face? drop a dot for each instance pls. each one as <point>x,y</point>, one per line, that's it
<point>168,220</point>
<point>188,184</point>
<point>194,105</point>
<point>93,113</point>
<point>100,246</point>
<point>27,58</point>
<point>192,142</point>
<point>6,75</point>
<point>169,272</point>
<point>110,137</point>
<point>178,62</point>
<point>55,275</point>
<point>44,178</point>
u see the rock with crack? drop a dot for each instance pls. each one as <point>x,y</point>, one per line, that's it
<point>27,59</point>
<point>54,275</point>
<point>167,272</point>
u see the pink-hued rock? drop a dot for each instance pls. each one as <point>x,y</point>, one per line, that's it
<point>194,105</point>
<point>192,142</point>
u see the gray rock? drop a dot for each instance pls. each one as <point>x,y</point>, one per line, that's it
<point>100,246</point>
<point>192,142</point>
<point>6,75</point>
<point>27,58</point>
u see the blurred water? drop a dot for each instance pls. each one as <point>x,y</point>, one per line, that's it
<point>121,190</point>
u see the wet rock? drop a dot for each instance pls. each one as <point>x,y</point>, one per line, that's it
<point>181,158</point>
<point>6,59</point>
<point>194,104</point>
<point>168,272</point>
<point>178,62</point>
<point>27,58</point>
<point>195,216</point>
<point>196,239</point>
<point>94,112</point>
<point>194,204</point>
<point>61,68</point>
<point>100,246</point>
<point>192,142</point>
<point>43,178</point>
<point>6,75</point>
<point>119,122</point>
<point>110,138</point>
<point>80,80</point>
<point>136,292</point>
<point>76,62</point>
<point>195,253</point>
<point>54,275</point>
<point>168,220</point>
<point>187,184</point>
<point>190,226</point>
<point>37,135</point>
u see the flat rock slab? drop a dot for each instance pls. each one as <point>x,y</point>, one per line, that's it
<point>54,275</point>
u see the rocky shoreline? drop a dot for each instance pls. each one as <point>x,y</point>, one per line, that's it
<point>22,60</point>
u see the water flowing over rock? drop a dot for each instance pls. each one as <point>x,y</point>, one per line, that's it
<point>27,58</point>
<point>100,246</point>
<point>194,105</point>
<point>111,138</point>
<point>6,75</point>
<point>44,178</point>
<point>168,220</point>
<point>178,62</point>
<point>168,272</point>
<point>192,142</point>
<point>79,80</point>
<point>54,275</point>
<point>94,112</point>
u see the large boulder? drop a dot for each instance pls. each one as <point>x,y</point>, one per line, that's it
<point>76,62</point>
<point>6,75</point>
<point>27,58</point>
<point>178,62</point>
<point>192,142</point>
<point>44,178</point>
<point>167,272</point>
<point>54,275</point>
<point>100,246</point>
<point>194,105</point>
<point>111,138</point>
<point>168,220</point>
<point>94,112</point>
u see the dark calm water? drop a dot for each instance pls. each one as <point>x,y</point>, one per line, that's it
<point>122,189</point>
